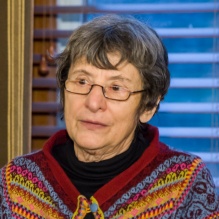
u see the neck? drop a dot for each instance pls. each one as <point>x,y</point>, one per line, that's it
<point>95,155</point>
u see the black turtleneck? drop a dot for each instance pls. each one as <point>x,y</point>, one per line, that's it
<point>89,177</point>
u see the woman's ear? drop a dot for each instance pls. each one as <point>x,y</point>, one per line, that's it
<point>147,114</point>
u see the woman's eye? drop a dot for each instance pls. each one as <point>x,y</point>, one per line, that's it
<point>116,88</point>
<point>82,81</point>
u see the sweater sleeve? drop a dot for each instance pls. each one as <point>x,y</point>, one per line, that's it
<point>1,194</point>
<point>5,211</point>
<point>202,201</point>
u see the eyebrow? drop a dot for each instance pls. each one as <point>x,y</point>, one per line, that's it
<point>116,77</point>
<point>81,71</point>
<point>119,77</point>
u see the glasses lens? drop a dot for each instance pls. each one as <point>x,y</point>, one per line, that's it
<point>116,93</point>
<point>77,87</point>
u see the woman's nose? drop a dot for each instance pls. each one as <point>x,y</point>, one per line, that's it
<point>95,100</point>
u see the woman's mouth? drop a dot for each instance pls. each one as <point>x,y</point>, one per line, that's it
<point>92,125</point>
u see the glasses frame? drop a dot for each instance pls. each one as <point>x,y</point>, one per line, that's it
<point>104,91</point>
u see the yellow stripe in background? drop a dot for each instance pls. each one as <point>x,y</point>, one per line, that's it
<point>15,43</point>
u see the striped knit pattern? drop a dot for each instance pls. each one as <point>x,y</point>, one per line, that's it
<point>172,185</point>
<point>29,194</point>
<point>163,192</point>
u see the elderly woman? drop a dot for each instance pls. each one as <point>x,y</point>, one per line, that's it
<point>109,163</point>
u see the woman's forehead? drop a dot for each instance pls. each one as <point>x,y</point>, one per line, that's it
<point>124,71</point>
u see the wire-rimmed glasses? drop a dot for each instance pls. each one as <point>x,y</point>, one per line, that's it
<point>113,92</point>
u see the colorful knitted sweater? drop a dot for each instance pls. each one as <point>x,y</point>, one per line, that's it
<point>163,183</point>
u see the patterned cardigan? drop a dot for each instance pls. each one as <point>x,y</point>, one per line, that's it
<point>163,183</point>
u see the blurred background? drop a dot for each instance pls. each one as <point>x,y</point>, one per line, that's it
<point>188,118</point>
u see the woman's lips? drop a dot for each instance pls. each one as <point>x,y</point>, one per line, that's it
<point>93,124</point>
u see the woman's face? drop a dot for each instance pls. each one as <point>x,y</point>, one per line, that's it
<point>102,128</point>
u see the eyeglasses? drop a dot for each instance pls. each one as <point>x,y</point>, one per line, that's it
<point>113,92</point>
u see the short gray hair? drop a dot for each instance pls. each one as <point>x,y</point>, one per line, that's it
<point>135,41</point>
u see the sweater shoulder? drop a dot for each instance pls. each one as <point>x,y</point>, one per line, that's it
<point>168,151</point>
<point>37,158</point>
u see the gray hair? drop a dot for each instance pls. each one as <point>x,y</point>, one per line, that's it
<point>136,42</point>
